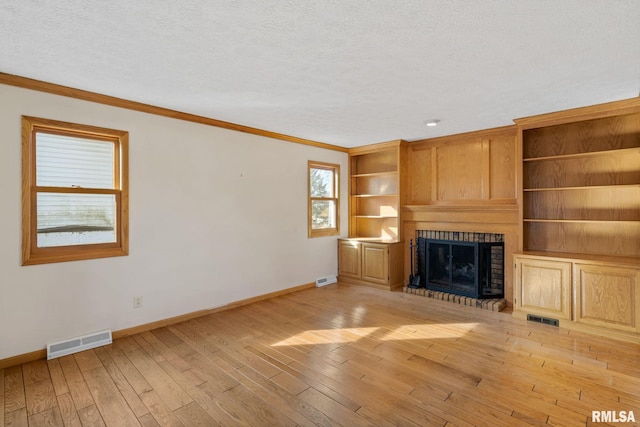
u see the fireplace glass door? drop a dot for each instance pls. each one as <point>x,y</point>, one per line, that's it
<point>452,267</point>
<point>473,269</point>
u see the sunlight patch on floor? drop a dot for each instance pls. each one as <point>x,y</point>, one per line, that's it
<point>327,336</point>
<point>429,331</point>
<point>404,332</point>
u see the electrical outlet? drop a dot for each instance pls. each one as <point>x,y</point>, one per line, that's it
<point>137,302</point>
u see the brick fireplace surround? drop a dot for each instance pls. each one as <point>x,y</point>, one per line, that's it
<point>494,304</point>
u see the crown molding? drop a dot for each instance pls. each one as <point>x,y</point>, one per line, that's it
<point>55,89</point>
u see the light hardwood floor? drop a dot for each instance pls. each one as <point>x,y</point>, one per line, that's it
<point>337,355</point>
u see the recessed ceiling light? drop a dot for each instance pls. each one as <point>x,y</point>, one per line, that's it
<point>432,123</point>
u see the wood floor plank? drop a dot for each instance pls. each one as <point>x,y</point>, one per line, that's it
<point>322,383</point>
<point>162,414</point>
<point>195,339</point>
<point>218,406</point>
<point>289,383</point>
<point>334,410</point>
<point>232,349</point>
<point>34,372</point>
<point>77,387</point>
<point>17,418</point>
<point>375,418</point>
<point>523,403</point>
<point>281,398</point>
<point>260,411</point>
<point>263,396</point>
<point>156,355</point>
<point>118,378</point>
<point>57,377</point>
<point>14,398</point>
<point>193,415</point>
<point>150,342</point>
<point>148,421</point>
<point>87,360</point>
<point>110,402</point>
<point>133,376</point>
<point>168,390</point>
<point>167,337</point>
<point>68,411</point>
<point>209,371</point>
<point>480,414</point>
<point>40,397</point>
<point>49,418</point>
<point>90,417</point>
<point>185,379</point>
<point>215,405</point>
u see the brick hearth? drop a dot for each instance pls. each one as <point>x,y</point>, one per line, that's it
<point>494,304</point>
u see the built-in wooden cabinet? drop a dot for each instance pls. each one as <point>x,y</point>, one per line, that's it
<point>594,294</point>
<point>579,183</point>
<point>376,189</point>
<point>375,263</point>
<point>377,184</point>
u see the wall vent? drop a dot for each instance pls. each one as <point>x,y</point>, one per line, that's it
<point>74,345</point>
<point>543,320</point>
<point>323,281</point>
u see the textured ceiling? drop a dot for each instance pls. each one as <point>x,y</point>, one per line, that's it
<point>347,72</point>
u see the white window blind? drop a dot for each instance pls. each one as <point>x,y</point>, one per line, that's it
<point>66,161</point>
<point>81,217</point>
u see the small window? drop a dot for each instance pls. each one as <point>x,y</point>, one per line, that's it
<point>323,199</point>
<point>75,192</point>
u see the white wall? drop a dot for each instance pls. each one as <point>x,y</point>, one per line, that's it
<point>216,216</point>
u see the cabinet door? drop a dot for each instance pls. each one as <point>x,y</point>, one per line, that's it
<point>544,287</point>
<point>349,258</point>
<point>608,296</point>
<point>375,263</point>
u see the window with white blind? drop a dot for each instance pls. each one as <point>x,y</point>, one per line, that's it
<point>75,192</point>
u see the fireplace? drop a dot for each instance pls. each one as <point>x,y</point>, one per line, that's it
<point>462,265</point>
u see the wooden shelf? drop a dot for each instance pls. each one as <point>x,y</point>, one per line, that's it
<point>374,195</point>
<point>585,187</point>
<point>366,175</point>
<point>591,258</point>
<point>582,221</point>
<point>616,152</point>
<point>375,216</point>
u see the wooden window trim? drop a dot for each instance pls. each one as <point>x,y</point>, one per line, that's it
<point>336,184</point>
<point>31,254</point>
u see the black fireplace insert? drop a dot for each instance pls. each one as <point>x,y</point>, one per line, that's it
<point>472,269</point>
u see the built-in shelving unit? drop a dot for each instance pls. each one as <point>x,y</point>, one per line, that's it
<point>373,254</point>
<point>375,184</point>
<point>579,258</point>
<point>581,186</point>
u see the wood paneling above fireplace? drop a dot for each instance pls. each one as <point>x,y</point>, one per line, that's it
<point>464,169</point>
